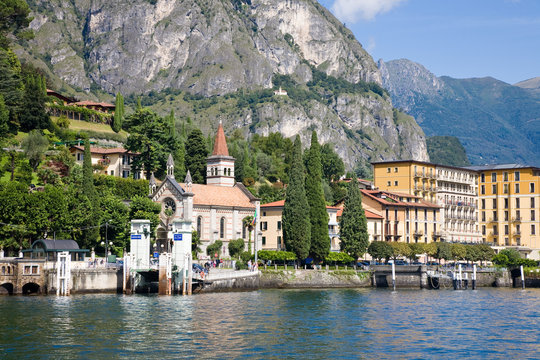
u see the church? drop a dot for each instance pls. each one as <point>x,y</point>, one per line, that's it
<point>216,210</point>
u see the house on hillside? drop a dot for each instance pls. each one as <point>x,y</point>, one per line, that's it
<point>109,161</point>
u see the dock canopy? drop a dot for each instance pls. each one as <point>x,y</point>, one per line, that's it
<point>48,249</point>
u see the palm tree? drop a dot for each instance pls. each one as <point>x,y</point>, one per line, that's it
<point>248,222</point>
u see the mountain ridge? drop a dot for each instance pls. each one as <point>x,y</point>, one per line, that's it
<point>495,121</point>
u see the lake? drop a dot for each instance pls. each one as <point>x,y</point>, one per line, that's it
<point>276,324</point>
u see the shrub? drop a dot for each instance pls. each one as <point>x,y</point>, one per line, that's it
<point>214,248</point>
<point>246,256</point>
<point>280,256</point>
<point>338,257</point>
<point>236,247</point>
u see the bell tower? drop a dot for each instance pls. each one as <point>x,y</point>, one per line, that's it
<point>219,165</point>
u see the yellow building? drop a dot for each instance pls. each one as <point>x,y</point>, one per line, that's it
<point>510,207</point>
<point>109,161</point>
<point>405,218</point>
<point>454,189</point>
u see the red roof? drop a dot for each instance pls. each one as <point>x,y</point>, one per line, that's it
<point>220,143</point>
<point>92,103</point>
<point>275,203</point>
<point>104,151</point>
<point>219,196</point>
<point>375,195</point>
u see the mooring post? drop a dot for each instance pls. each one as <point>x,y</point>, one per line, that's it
<point>394,276</point>
<point>454,279</point>
<point>522,277</point>
<point>460,282</point>
<point>474,277</point>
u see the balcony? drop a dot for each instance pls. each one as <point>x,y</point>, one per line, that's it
<point>516,219</point>
<point>517,233</point>
<point>104,162</point>
<point>418,233</point>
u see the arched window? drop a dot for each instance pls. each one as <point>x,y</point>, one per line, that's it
<point>229,171</point>
<point>199,225</point>
<point>222,228</point>
<point>243,231</point>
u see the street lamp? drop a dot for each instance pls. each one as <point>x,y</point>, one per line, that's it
<point>107,244</point>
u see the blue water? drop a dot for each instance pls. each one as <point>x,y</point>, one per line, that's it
<point>276,324</point>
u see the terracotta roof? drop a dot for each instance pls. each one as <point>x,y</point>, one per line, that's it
<point>275,203</point>
<point>371,215</point>
<point>98,150</point>
<point>219,196</point>
<point>92,103</point>
<point>396,202</point>
<point>220,143</point>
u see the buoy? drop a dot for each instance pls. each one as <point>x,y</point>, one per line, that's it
<point>474,277</point>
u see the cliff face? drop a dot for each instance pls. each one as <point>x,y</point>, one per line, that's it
<point>495,121</point>
<point>219,47</point>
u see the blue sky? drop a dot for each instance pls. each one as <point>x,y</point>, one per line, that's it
<point>457,38</point>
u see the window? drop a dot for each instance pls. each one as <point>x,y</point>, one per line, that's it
<point>506,203</point>
<point>533,215</point>
<point>495,230</point>
<point>506,216</point>
<point>483,189</point>
<point>112,172</point>
<point>493,177</point>
<point>264,240</point>
<point>483,229</point>
<point>264,225</point>
<point>516,176</point>
<point>518,215</point>
<point>387,170</point>
<point>425,214</point>
<point>395,183</point>
<point>395,170</point>
<point>482,178</point>
<point>517,189</point>
<point>125,174</point>
<point>389,183</point>
<point>531,187</point>
<point>532,203</point>
<point>279,225</point>
<point>395,215</point>
<point>279,242</point>
<point>533,229</point>
<point>80,157</point>
<point>264,213</point>
<point>495,216</point>
<point>494,204</point>
<point>483,203</point>
<point>494,189</point>
<point>505,176</point>
<point>505,229</point>
<point>505,188</point>
<point>517,203</point>
<point>222,228</point>
<point>435,215</point>
<point>199,227</point>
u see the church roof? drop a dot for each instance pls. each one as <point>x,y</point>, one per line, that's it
<point>221,195</point>
<point>170,161</point>
<point>153,179</point>
<point>220,143</point>
<point>188,178</point>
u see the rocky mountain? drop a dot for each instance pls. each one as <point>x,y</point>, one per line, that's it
<point>229,52</point>
<point>533,84</point>
<point>495,121</point>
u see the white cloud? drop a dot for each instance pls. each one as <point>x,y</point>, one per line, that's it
<point>353,10</point>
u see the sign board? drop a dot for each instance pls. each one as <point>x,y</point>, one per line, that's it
<point>177,237</point>
<point>136,237</point>
<point>156,254</point>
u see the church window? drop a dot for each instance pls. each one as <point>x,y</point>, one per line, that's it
<point>229,171</point>
<point>170,204</point>
<point>199,225</point>
<point>222,228</point>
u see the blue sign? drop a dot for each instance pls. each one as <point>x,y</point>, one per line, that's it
<point>156,254</point>
<point>136,237</point>
<point>177,237</point>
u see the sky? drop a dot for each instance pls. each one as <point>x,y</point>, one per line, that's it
<point>457,38</point>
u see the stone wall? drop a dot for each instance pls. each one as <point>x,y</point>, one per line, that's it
<point>314,279</point>
<point>90,281</point>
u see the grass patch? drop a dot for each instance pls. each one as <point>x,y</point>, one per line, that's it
<point>79,125</point>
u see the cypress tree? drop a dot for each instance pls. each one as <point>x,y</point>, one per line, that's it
<point>353,225</point>
<point>4,118</point>
<point>296,224</point>
<point>91,231</point>
<point>196,153</point>
<point>320,241</point>
<point>33,114</point>
<point>118,118</point>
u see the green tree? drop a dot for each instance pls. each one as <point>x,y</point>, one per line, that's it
<point>149,136</point>
<point>195,244</point>
<point>118,118</point>
<point>214,248</point>
<point>353,225</point>
<point>14,20</point>
<point>196,154</point>
<point>400,249</point>
<point>320,241</point>
<point>416,249</point>
<point>4,118</point>
<point>142,207</point>
<point>296,223</point>
<point>33,114</point>
<point>332,165</point>
<point>11,86</point>
<point>380,250</point>
<point>34,146</point>
<point>486,252</point>
<point>114,222</point>
<point>91,230</point>
<point>248,222</point>
<point>459,251</point>
<point>444,251</point>
<point>236,247</point>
